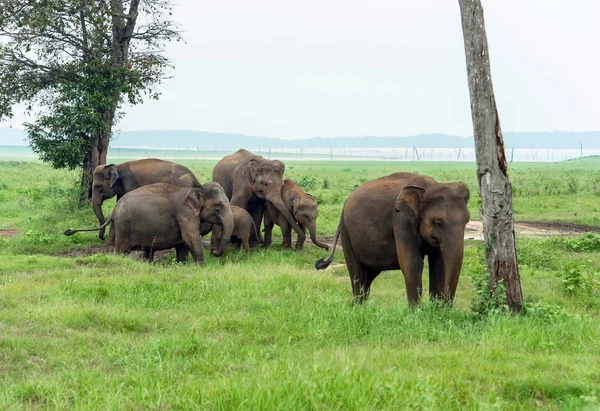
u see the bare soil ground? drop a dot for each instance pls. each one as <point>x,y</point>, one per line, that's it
<point>474,229</point>
<point>7,232</point>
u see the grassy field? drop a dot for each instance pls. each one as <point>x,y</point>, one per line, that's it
<point>264,330</point>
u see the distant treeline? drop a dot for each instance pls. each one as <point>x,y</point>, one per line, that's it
<point>225,141</point>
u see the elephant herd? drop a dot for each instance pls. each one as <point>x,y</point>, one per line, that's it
<point>389,223</point>
<point>162,205</point>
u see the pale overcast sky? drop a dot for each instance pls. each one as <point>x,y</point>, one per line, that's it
<point>379,67</point>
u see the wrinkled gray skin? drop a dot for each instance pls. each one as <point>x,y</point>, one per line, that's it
<point>394,222</point>
<point>249,180</point>
<point>243,227</point>
<point>117,180</point>
<point>304,208</point>
<point>161,216</point>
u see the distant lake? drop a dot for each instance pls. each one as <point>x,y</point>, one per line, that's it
<point>339,154</point>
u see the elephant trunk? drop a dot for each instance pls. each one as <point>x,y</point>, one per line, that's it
<point>275,199</point>
<point>227,222</point>
<point>312,228</point>
<point>97,207</point>
<point>452,254</point>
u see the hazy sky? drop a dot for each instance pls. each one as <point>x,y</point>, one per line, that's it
<point>383,67</point>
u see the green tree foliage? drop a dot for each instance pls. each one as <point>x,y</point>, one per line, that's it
<point>74,64</point>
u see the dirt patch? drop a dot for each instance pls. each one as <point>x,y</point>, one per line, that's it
<point>474,229</point>
<point>7,232</point>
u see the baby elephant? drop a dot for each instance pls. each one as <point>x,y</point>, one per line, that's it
<point>162,216</point>
<point>243,227</point>
<point>304,209</point>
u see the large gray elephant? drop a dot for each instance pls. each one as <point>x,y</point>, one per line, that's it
<point>305,209</point>
<point>249,180</point>
<point>394,222</point>
<point>117,180</point>
<point>160,216</point>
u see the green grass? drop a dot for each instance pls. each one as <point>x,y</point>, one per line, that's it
<point>264,330</point>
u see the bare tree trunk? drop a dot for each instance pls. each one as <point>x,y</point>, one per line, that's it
<point>85,191</point>
<point>492,171</point>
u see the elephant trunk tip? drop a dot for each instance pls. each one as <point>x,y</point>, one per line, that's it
<point>216,252</point>
<point>69,232</point>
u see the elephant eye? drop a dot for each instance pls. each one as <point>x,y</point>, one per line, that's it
<point>438,224</point>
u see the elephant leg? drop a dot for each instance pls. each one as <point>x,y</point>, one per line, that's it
<point>111,230</point>
<point>190,234</point>
<point>286,231</point>
<point>410,259</point>
<point>300,241</point>
<point>246,242</point>
<point>182,253</point>
<point>257,213</point>
<point>148,254</point>
<point>111,236</point>
<point>123,247</point>
<point>268,230</point>
<point>361,277</point>
<point>437,274</point>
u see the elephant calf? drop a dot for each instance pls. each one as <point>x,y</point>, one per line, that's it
<point>243,227</point>
<point>161,216</point>
<point>304,209</point>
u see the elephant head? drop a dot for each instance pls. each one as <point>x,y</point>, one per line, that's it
<point>105,185</point>
<point>267,179</point>
<point>439,213</point>
<point>210,204</point>
<point>305,210</point>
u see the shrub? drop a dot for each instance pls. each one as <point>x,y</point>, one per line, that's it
<point>576,277</point>
<point>307,183</point>
<point>485,300</point>
<point>588,242</point>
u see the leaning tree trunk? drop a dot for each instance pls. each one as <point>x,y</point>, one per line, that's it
<point>494,186</point>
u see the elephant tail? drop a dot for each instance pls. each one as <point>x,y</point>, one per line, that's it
<point>255,230</point>
<point>70,232</point>
<point>324,262</point>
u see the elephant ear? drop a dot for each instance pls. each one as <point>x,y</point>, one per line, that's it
<point>410,199</point>
<point>194,200</point>
<point>112,174</point>
<point>279,166</point>
<point>464,191</point>
<point>251,169</point>
<point>295,203</point>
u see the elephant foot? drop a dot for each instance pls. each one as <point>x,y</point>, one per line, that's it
<point>358,300</point>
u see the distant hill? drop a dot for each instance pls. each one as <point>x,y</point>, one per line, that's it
<point>226,141</point>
